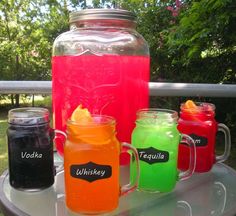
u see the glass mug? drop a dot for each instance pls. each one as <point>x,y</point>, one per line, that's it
<point>91,166</point>
<point>30,149</point>
<point>200,124</point>
<point>157,140</point>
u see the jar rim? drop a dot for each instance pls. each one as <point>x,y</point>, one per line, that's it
<point>101,14</point>
<point>99,120</point>
<point>158,114</point>
<point>201,107</point>
<point>28,116</point>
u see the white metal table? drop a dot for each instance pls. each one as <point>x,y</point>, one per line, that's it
<point>209,194</point>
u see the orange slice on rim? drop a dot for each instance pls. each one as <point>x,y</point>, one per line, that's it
<point>189,104</point>
<point>87,130</point>
<point>191,108</point>
<point>81,115</point>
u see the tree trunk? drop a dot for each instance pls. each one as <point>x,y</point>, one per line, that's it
<point>65,8</point>
<point>17,98</point>
<point>12,100</point>
<point>33,100</point>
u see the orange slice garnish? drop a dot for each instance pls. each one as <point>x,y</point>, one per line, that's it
<point>81,115</point>
<point>87,130</point>
<point>189,104</point>
<point>191,108</point>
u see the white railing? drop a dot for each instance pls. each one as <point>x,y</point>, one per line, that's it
<point>156,88</point>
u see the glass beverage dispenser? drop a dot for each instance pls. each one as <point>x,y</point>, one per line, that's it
<point>102,62</point>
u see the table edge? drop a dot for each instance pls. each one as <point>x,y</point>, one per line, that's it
<point>11,210</point>
<point>7,207</point>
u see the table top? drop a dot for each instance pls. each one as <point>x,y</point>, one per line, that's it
<point>212,193</point>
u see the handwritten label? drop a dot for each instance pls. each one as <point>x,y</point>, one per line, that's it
<point>25,155</point>
<point>90,171</point>
<point>152,155</point>
<point>33,154</point>
<point>198,140</point>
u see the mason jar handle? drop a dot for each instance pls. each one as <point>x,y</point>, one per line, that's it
<point>223,128</point>
<point>56,131</point>
<point>125,189</point>
<point>184,204</point>
<point>192,158</point>
<point>60,132</point>
<point>60,166</point>
<point>221,209</point>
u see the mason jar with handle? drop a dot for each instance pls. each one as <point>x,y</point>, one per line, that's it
<point>102,62</point>
<point>199,123</point>
<point>30,149</point>
<point>157,139</point>
<point>91,166</point>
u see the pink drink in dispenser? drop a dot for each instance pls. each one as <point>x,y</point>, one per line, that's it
<point>103,64</point>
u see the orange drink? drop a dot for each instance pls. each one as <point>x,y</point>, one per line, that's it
<point>91,163</point>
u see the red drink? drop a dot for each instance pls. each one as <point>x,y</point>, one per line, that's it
<point>199,122</point>
<point>109,84</point>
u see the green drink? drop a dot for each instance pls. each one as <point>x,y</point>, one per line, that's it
<point>157,138</point>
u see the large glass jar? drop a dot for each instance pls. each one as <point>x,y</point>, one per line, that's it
<point>103,64</point>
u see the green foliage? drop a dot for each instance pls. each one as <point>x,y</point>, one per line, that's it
<point>3,145</point>
<point>153,24</point>
<point>189,47</point>
<point>28,29</point>
<point>203,43</point>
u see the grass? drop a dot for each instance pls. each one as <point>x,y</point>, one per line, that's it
<point>3,145</point>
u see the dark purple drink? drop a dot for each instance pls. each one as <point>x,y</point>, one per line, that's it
<point>30,149</point>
